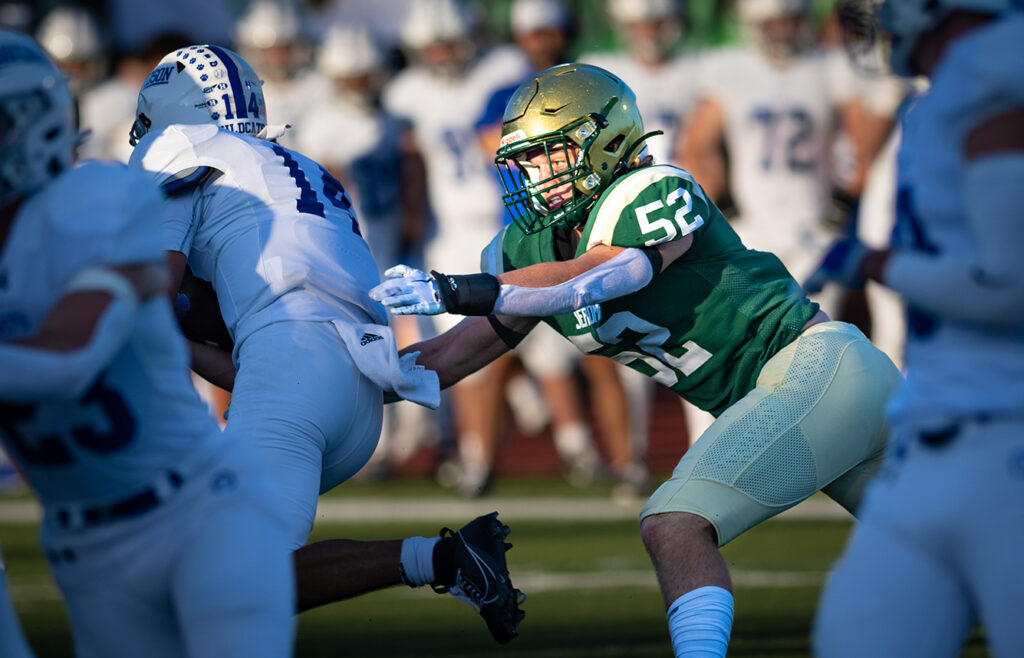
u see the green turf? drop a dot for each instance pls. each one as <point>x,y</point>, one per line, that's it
<point>572,611</point>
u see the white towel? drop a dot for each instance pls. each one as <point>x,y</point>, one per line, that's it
<point>372,347</point>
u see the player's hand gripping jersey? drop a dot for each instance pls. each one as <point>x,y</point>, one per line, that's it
<point>703,327</point>
<point>272,230</point>
<point>141,414</point>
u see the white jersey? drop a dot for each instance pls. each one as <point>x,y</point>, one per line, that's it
<point>142,416</point>
<point>956,368</point>
<point>290,102</point>
<point>462,184</point>
<point>665,95</point>
<point>363,145</point>
<point>779,128</point>
<point>272,230</point>
<point>108,112</point>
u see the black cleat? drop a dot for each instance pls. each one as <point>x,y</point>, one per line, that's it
<point>481,574</point>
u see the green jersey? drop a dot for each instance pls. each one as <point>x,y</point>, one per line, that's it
<point>707,324</point>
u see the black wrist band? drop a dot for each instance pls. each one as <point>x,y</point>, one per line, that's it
<point>472,294</point>
<point>654,256</point>
<point>508,336</point>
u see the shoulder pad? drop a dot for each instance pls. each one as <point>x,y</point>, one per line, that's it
<point>649,205</point>
<point>184,181</point>
<point>169,155</point>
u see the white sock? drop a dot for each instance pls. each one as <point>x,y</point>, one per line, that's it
<point>700,622</point>
<point>572,440</point>
<point>417,561</point>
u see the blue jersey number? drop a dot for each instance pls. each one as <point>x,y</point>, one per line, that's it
<point>792,131</point>
<point>309,201</point>
<point>106,425</point>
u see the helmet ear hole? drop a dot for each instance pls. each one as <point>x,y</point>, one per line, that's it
<point>612,147</point>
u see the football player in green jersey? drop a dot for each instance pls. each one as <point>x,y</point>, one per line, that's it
<point>631,260</point>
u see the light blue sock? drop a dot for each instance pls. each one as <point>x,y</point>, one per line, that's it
<point>417,560</point>
<point>700,622</point>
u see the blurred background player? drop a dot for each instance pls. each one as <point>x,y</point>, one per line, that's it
<point>72,37</point>
<point>310,355</point>
<point>942,530</point>
<point>543,31</point>
<point>107,111</point>
<point>375,159</point>
<point>663,79</point>
<point>272,34</point>
<point>665,83</point>
<point>152,519</point>
<point>441,94</point>
<point>777,103</point>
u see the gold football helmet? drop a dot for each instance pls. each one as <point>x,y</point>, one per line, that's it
<point>585,115</point>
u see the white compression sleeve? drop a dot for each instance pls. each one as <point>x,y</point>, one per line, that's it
<point>986,284</point>
<point>628,271</point>
<point>32,373</point>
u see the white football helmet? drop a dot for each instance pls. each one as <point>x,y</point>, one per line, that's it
<point>907,20</point>
<point>70,33</point>
<point>759,11</point>
<point>435,21</point>
<point>533,15</point>
<point>269,23</point>
<point>754,14</point>
<point>649,28</point>
<point>37,118</point>
<point>634,11</point>
<point>201,84</point>
<point>349,51</point>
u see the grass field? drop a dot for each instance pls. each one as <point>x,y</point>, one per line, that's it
<point>590,585</point>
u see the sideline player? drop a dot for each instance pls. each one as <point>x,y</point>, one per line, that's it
<point>778,102</point>
<point>942,531</point>
<point>441,94</point>
<point>153,522</point>
<point>631,260</point>
<point>276,236</point>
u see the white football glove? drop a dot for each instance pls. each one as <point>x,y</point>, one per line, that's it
<point>408,291</point>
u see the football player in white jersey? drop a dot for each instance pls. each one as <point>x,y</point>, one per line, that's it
<point>272,35</point>
<point>942,532</point>
<point>441,94</point>
<point>277,237</point>
<point>374,157</point>
<point>663,80</point>
<point>71,35</point>
<point>154,524</point>
<point>777,102</point>
<point>543,30</point>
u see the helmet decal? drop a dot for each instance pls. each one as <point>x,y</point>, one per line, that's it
<point>201,84</point>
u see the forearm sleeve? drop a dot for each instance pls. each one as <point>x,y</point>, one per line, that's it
<point>985,284</point>
<point>625,273</point>
<point>32,373</point>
